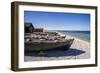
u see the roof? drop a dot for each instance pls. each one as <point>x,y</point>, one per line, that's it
<point>28,27</point>
<point>28,24</point>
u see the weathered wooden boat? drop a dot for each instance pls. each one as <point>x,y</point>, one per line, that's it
<point>38,40</point>
<point>40,45</point>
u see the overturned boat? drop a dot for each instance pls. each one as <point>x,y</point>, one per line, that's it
<point>39,40</point>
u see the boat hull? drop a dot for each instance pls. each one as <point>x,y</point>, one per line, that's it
<point>40,46</point>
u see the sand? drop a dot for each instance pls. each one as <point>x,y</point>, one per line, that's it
<point>80,49</point>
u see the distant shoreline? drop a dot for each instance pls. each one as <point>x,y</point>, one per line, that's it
<point>87,40</point>
<point>61,32</point>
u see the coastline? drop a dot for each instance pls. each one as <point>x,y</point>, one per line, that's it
<point>78,45</point>
<point>70,36</point>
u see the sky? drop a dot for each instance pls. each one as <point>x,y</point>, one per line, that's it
<point>58,20</point>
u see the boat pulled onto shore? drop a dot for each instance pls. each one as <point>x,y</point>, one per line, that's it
<point>39,40</point>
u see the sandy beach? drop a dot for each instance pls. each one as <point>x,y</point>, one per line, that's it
<point>80,49</point>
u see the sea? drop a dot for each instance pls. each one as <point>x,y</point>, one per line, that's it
<point>84,35</point>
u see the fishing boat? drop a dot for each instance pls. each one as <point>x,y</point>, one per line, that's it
<point>39,40</point>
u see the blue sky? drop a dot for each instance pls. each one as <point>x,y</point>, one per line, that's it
<point>58,20</point>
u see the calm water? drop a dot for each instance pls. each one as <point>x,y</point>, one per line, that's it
<point>84,35</point>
